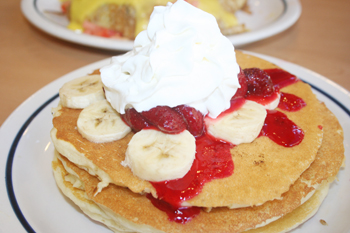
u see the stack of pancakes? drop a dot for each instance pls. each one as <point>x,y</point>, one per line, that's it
<point>272,189</point>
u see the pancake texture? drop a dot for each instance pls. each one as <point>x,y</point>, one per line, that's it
<point>137,211</point>
<point>272,188</point>
<point>118,223</point>
<point>250,185</point>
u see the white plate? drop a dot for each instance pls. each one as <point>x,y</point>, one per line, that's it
<point>267,19</point>
<point>30,199</point>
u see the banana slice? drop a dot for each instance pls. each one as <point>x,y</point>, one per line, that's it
<point>81,92</point>
<point>241,126</point>
<point>99,123</point>
<point>156,156</point>
<point>274,103</point>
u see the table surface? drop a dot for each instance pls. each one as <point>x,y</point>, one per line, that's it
<point>30,59</point>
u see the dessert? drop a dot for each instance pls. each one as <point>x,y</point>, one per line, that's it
<point>126,19</point>
<point>250,148</point>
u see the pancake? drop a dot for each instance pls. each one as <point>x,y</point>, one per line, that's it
<point>121,210</point>
<point>249,185</point>
<point>126,19</point>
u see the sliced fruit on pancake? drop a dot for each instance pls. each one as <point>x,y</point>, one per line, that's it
<point>240,126</point>
<point>99,123</point>
<point>156,156</point>
<point>137,213</point>
<point>263,170</point>
<point>81,92</point>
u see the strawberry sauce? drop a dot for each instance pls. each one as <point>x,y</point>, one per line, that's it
<point>213,161</point>
<point>235,104</point>
<point>290,102</point>
<point>263,100</point>
<point>213,158</point>
<point>281,130</point>
<point>179,215</point>
<point>281,78</point>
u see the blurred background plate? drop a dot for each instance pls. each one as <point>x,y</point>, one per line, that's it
<point>267,18</point>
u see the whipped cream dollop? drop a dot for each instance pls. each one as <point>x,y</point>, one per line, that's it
<point>182,58</point>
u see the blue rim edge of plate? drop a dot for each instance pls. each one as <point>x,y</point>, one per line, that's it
<point>11,154</point>
<point>285,6</point>
<point>9,163</point>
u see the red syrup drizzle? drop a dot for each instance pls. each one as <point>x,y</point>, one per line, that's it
<point>281,130</point>
<point>213,161</point>
<point>263,100</point>
<point>290,102</point>
<point>179,215</point>
<point>235,104</point>
<point>281,78</point>
<point>213,157</point>
<point>277,126</point>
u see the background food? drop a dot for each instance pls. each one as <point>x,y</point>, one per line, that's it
<point>120,18</point>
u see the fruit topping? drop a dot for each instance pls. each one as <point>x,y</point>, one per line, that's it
<point>156,156</point>
<point>165,119</point>
<point>100,123</point>
<point>241,92</point>
<point>96,30</point>
<point>281,78</point>
<point>194,119</point>
<point>176,214</point>
<point>65,7</point>
<point>259,83</point>
<point>213,161</point>
<point>81,92</point>
<point>281,130</point>
<point>290,102</point>
<point>235,104</point>
<point>135,120</point>
<point>240,126</point>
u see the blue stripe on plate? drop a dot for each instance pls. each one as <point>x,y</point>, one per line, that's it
<point>285,6</point>
<point>9,163</point>
<point>8,172</point>
<point>345,109</point>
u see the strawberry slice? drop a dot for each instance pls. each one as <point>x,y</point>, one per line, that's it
<point>165,119</point>
<point>242,91</point>
<point>96,30</point>
<point>135,120</point>
<point>65,7</point>
<point>194,119</point>
<point>259,83</point>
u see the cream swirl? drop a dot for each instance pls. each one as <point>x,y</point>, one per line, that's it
<point>182,58</point>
